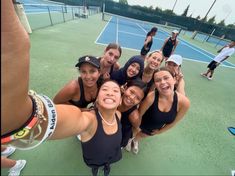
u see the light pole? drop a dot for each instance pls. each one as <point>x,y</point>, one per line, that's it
<point>174,5</point>
<point>209,10</point>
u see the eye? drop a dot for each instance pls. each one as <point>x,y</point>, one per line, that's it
<point>116,90</point>
<point>82,72</point>
<point>104,89</point>
<point>92,71</point>
<point>157,80</point>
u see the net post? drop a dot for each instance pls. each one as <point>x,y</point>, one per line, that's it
<point>103,11</point>
<point>210,35</point>
<point>194,34</point>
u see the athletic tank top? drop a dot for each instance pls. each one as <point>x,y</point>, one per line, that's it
<point>155,119</point>
<point>149,45</point>
<point>168,47</point>
<point>126,126</point>
<point>102,148</point>
<point>82,103</point>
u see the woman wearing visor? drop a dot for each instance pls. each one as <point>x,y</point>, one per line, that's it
<point>169,45</point>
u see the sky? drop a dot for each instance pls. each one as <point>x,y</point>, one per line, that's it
<point>223,9</point>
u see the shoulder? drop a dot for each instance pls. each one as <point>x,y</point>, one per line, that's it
<point>89,116</point>
<point>116,66</point>
<point>183,101</point>
<point>74,85</point>
<point>150,97</point>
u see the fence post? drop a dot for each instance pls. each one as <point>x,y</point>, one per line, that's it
<point>49,15</point>
<point>72,13</point>
<point>63,13</point>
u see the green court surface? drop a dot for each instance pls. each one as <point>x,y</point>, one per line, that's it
<point>200,144</point>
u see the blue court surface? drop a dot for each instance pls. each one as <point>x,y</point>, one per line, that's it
<point>131,35</point>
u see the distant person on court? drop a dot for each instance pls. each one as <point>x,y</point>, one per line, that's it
<point>15,165</point>
<point>170,44</point>
<point>162,109</point>
<point>148,42</point>
<point>224,54</point>
<point>83,90</point>
<point>133,69</point>
<point>109,60</point>
<point>174,63</point>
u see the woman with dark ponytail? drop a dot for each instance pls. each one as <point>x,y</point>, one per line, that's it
<point>148,42</point>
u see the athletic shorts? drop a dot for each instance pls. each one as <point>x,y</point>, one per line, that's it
<point>212,65</point>
<point>144,52</point>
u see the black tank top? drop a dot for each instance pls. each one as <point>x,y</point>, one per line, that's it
<point>126,126</point>
<point>82,103</point>
<point>102,149</point>
<point>155,119</point>
<point>168,47</point>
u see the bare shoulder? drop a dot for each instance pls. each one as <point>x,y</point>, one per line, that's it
<point>183,101</point>
<point>116,66</point>
<point>150,97</point>
<point>73,85</point>
<point>89,117</point>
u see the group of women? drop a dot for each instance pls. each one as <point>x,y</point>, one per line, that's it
<point>128,103</point>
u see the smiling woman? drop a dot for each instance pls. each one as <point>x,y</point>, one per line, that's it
<point>171,107</point>
<point>31,117</point>
<point>82,91</point>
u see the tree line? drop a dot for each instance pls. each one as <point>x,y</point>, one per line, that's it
<point>158,15</point>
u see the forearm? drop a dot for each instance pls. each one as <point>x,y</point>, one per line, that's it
<point>163,129</point>
<point>16,105</point>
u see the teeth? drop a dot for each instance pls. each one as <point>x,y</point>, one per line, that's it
<point>108,100</point>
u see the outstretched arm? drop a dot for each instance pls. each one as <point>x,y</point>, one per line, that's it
<point>16,104</point>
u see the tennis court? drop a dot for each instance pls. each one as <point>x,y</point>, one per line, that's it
<point>131,34</point>
<point>199,145</point>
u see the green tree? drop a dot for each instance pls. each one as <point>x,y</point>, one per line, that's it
<point>198,17</point>
<point>211,20</point>
<point>204,19</point>
<point>123,2</point>
<point>185,11</point>
<point>221,23</point>
<point>169,12</point>
<point>231,25</point>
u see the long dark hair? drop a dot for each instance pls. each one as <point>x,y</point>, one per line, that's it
<point>138,83</point>
<point>154,29</point>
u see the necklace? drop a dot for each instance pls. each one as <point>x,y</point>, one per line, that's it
<point>107,123</point>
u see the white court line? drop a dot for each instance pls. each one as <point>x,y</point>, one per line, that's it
<point>141,28</point>
<point>183,42</point>
<point>102,30</point>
